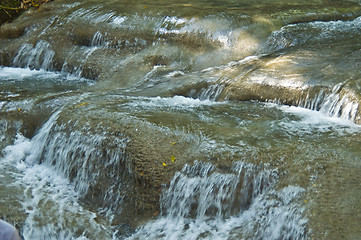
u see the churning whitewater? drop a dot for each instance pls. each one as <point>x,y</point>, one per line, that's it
<point>182,120</point>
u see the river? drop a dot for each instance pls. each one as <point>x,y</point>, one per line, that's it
<point>182,120</point>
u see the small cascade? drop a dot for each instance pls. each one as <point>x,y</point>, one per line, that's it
<point>197,191</point>
<point>79,70</point>
<point>340,105</point>
<point>47,193</point>
<point>202,202</point>
<point>337,103</point>
<point>312,102</point>
<point>39,56</point>
<point>98,39</point>
<point>86,161</point>
<point>295,35</point>
<point>89,161</point>
<point>212,92</point>
<point>31,151</point>
<point>170,87</point>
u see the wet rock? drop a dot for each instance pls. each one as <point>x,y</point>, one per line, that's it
<point>119,158</point>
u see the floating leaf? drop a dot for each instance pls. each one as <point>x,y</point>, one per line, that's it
<point>173,158</point>
<point>164,164</point>
<point>173,143</point>
<point>141,173</point>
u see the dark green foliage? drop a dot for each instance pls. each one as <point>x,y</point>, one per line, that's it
<point>9,9</point>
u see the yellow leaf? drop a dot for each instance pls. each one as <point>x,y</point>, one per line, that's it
<point>81,104</point>
<point>164,164</point>
<point>173,158</point>
<point>141,173</point>
<point>19,109</point>
<point>306,201</point>
<point>173,143</point>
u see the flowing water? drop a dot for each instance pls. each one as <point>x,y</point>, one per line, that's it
<point>182,120</point>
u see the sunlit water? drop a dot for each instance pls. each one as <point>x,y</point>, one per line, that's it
<point>178,120</point>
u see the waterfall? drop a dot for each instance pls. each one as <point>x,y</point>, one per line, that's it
<point>337,105</point>
<point>147,120</point>
<point>87,160</point>
<point>312,102</point>
<point>31,151</point>
<point>340,103</point>
<point>98,39</point>
<point>204,202</point>
<point>212,92</point>
<point>73,167</point>
<point>39,56</point>
<point>197,192</point>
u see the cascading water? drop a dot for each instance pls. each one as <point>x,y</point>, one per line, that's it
<point>47,194</point>
<point>39,56</point>
<point>336,107</point>
<point>201,203</point>
<point>171,120</point>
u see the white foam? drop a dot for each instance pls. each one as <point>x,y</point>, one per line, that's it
<point>18,151</point>
<point>21,74</point>
<point>2,103</point>
<point>51,196</point>
<point>175,74</point>
<point>311,120</point>
<point>50,199</point>
<point>116,21</point>
<point>173,102</point>
<point>316,117</point>
<point>175,20</point>
<point>14,73</point>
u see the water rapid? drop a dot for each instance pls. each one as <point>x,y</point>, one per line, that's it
<point>182,120</point>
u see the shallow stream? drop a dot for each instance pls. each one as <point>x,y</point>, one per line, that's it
<point>182,120</point>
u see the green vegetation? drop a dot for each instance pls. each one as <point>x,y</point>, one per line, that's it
<point>10,9</point>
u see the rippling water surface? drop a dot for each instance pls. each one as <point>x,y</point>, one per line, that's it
<point>182,120</point>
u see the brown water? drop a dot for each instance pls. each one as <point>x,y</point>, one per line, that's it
<point>182,120</point>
